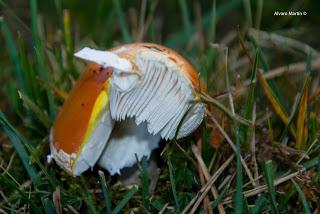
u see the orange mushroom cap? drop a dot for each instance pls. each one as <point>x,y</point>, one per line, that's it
<point>130,51</point>
<point>79,115</point>
<point>71,124</point>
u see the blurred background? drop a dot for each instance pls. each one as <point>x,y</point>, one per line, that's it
<point>186,26</point>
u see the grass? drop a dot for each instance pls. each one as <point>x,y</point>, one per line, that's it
<point>257,150</point>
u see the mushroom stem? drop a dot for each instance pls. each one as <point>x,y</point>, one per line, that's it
<point>127,141</point>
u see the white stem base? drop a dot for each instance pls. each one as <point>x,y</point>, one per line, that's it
<point>128,142</point>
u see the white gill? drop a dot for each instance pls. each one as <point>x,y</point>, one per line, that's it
<point>162,98</point>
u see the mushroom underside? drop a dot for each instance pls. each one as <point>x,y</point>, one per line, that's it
<point>162,98</point>
<point>128,144</point>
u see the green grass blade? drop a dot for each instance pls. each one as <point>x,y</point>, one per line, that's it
<point>224,109</point>
<point>40,115</point>
<point>105,34</point>
<point>246,207</point>
<point>301,139</point>
<point>302,197</point>
<point>58,7</point>
<point>268,176</point>
<point>179,39</point>
<point>67,33</point>
<point>250,99</point>
<point>88,197</point>
<point>183,120</point>
<point>275,102</point>
<point>294,110</point>
<point>48,206</point>
<point>44,77</point>
<point>313,126</point>
<point>29,73</point>
<point>212,29</point>
<point>106,195</point>
<point>301,118</point>
<point>265,67</point>
<point>18,143</point>
<point>206,64</point>
<point>309,65</point>
<point>312,163</point>
<point>173,184</point>
<point>39,56</point>
<point>239,175</point>
<point>122,21</point>
<point>239,200</point>
<point>156,204</point>
<point>34,157</point>
<point>145,182</point>
<point>13,97</point>
<point>185,17</point>
<point>33,207</point>
<point>13,53</point>
<point>283,203</point>
<point>68,43</point>
<point>125,200</point>
<point>258,14</point>
<point>248,13</point>
<point>220,197</point>
<point>259,205</point>
<point>251,96</point>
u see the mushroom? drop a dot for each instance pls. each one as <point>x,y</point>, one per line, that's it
<point>124,103</point>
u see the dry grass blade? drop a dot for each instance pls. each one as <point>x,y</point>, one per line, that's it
<point>232,145</point>
<point>142,21</point>
<point>72,209</point>
<point>221,107</point>
<point>19,143</point>
<point>302,128</point>
<point>258,14</point>
<point>201,173</point>
<point>164,208</point>
<point>283,70</point>
<point>305,155</point>
<point>205,189</point>
<point>29,104</point>
<point>248,12</point>
<point>150,17</point>
<point>185,153</point>
<point>206,174</point>
<point>238,205</point>
<point>253,146</point>
<point>290,69</point>
<point>62,94</point>
<point>301,117</point>
<point>3,211</point>
<point>267,39</point>
<point>67,31</point>
<point>56,197</point>
<point>263,188</point>
<point>274,101</point>
<point>9,164</point>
